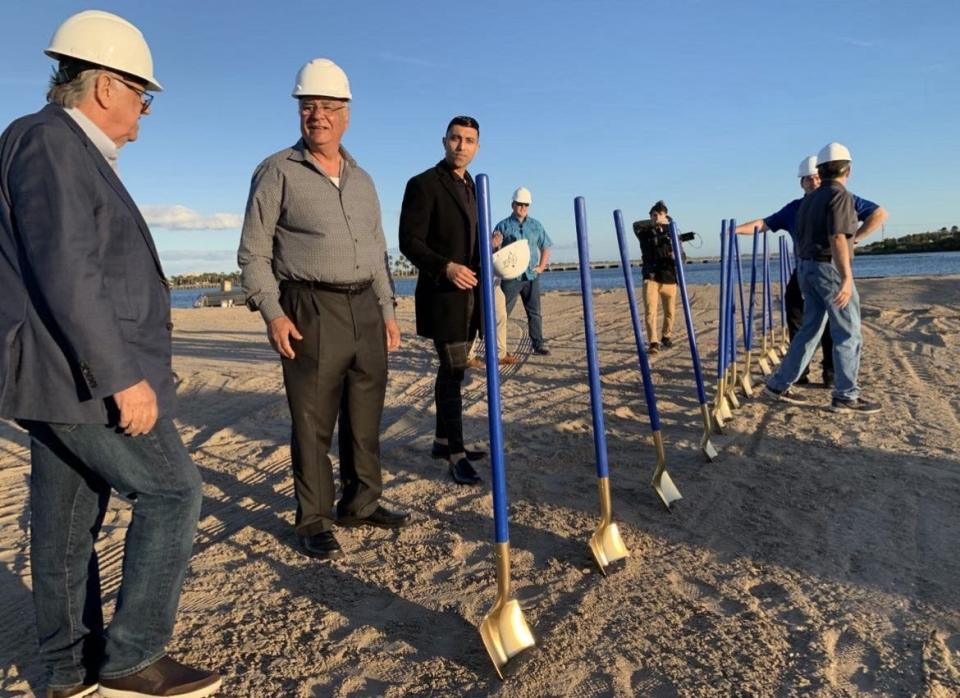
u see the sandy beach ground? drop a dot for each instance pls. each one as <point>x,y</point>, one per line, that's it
<point>818,555</point>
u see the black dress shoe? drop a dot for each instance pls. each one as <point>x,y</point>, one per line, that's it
<point>463,473</point>
<point>443,451</point>
<point>322,546</point>
<point>828,379</point>
<point>381,518</point>
<point>72,692</point>
<point>165,677</point>
<point>541,351</point>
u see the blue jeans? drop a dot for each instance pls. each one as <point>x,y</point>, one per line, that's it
<point>73,469</point>
<point>819,283</point>
<point>529,292</point>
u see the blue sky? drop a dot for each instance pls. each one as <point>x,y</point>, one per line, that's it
<point>709,106</point>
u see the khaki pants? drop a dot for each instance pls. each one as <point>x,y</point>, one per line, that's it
<point>500,310</point>
<point>653,293</point>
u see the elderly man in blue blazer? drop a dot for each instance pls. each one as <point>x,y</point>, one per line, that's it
<point>85,344</point>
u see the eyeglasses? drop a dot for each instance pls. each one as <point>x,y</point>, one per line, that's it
<point>322,107</point>
<point>146,99</point>
<point>518,204</point>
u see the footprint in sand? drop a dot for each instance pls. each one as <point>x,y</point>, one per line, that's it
<point>853,664</point>
<point>650,684</point>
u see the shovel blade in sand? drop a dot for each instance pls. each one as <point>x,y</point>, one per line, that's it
<point>505,633</point>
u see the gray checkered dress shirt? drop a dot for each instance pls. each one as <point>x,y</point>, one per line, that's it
<point>299,226</point>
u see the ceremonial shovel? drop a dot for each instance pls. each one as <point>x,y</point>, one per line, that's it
<point>605,543</point>
<point>662,482</point>
<point>504,630</point>
<point>705,445</point>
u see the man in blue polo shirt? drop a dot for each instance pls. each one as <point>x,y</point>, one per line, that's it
<point>519,226</point>
<point>869,214</point>
<point>826,230</point>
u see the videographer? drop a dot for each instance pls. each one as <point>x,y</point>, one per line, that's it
<point>659,275</point>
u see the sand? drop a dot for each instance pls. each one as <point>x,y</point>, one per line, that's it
<point>818,555</point>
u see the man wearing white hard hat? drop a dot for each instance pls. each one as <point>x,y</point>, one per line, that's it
<point>519,226</point>
<point>85,369</point>
<point>314,263</point>
<point>826,230</point>
<point>869,214</point>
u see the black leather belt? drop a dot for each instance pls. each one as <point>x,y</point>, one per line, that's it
<point>347,289</point>
<point>821,258</point>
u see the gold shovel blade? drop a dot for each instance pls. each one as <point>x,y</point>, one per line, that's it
<point>764,365</point>
<point>708,448</point>
<point>746,385</point>
<point>505,633</point>
<point>607,546</point>
<point>663,484</point>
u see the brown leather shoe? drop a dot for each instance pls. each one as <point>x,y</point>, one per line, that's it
<point>165,677</point>
<point>508,360</point>
<point>72,692</point>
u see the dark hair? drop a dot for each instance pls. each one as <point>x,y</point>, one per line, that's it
<point>467,121</point>
<point>833,169</point>
<point>658,207</point>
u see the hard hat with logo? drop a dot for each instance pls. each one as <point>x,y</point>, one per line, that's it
<point>106,40</point>
<point>510,261</point>
<point>833,152</point>
<point>321,77</point>
<point>522,196</point>
<point>808,167</point>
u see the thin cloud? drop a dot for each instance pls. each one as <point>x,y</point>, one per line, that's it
<point>857,42</point>
<point>183,218</point>
<point>198,261</point>
<point>408,60</point>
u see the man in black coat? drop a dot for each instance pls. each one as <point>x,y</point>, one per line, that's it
<point>438,234</point>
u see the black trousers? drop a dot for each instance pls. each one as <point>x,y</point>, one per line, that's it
<point>795,319</point>
<point>340,366</point>
<point>446,392</point>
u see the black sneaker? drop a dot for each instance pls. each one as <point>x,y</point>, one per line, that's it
<point>667,343</point>
<point>654,348</point>
<point>786,395</point>
<point>856,405</point>
<point>541,351</point>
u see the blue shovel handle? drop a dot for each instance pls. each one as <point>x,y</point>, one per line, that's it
<point>593,364</point>
<point>691,335</point>
<point>651,398</point>
<point>767,323</point>
<point>722,320</point>
<point>753,288</point>
<point>497,464</point>
<point>739,270</point>
<point>731,304</point>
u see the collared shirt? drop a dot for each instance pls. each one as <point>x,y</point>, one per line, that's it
<point>825,213</point>
<point>108,149</point>
<point>299,226</point>
<point>467,193</point>
<point>786,217</point>
<point>530,230</point>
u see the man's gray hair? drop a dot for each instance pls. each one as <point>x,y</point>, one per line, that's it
<point>70,91</point>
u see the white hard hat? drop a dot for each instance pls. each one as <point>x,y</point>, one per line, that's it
<point>106,40</point>
<point>510,261</point>
<point>808,167</point>
<point>321,77</point>
<point>522,196</point>
<point>832,152</point>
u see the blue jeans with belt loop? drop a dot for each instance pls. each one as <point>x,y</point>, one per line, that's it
<point>73,469</point>
<point>819,283</point>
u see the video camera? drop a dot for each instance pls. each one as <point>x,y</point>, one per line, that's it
<point>647,225</point>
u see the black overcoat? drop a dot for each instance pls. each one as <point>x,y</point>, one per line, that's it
<point>435,229</point>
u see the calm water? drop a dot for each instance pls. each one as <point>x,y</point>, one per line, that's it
<point>922,264</point>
